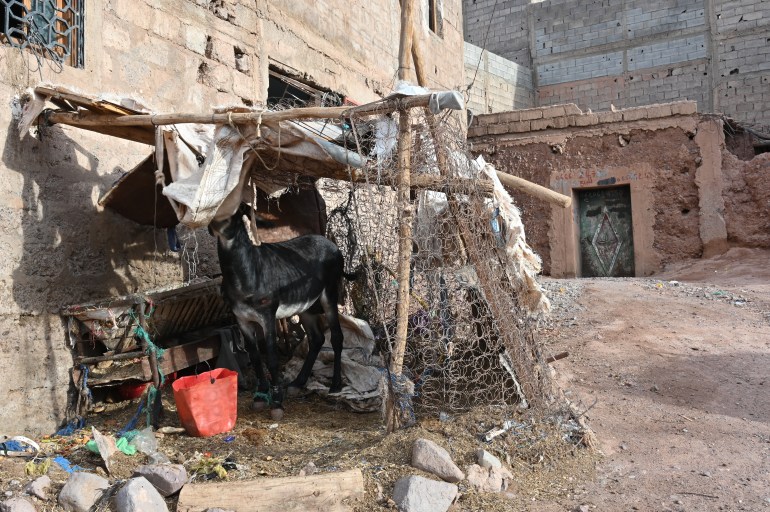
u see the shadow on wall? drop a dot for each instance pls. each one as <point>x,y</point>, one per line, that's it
<point>70,253</point>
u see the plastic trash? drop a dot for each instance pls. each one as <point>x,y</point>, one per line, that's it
<point>207,404</point>
<point>144,441</point>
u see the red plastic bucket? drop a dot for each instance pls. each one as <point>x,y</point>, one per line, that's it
<point>207,404</point>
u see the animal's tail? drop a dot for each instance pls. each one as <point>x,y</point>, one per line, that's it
<point>350,277</point>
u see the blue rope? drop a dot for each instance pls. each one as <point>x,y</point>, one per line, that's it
<point>267,397</point>
<point>131,425</point>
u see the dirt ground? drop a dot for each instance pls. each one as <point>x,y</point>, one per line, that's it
<point>671,372</point>
<point>675,373</point>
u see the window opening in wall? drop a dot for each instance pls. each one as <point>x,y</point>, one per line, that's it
<point>286,91</point>
<point>435,23</point>
<point>49,28</point>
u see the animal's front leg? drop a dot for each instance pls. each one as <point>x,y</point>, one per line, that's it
<point>262,387</point>
<point>276,391</point>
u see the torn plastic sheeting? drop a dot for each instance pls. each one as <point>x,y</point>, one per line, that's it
<point>439,101</point>
<point>214,189</point>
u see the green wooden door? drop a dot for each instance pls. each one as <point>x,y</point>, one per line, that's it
<point>606,234</point>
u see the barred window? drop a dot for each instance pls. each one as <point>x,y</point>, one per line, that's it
<point>51,28</point>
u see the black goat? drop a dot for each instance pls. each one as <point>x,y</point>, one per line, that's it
<point>262,283</point>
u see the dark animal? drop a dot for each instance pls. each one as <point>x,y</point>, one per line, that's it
<point>278,280</point>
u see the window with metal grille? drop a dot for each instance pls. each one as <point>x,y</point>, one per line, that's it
<point>51,28</point>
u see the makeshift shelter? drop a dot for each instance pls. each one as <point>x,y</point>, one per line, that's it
<point>465,338</point>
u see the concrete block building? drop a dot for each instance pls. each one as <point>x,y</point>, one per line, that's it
<point>621,53</point>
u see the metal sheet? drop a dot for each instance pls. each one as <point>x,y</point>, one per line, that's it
<point>606,232</point>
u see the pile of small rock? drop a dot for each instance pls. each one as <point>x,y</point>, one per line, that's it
<point>419,494</point>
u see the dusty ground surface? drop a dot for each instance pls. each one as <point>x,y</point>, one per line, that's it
<point>672,373</point>
<point>676,376</point>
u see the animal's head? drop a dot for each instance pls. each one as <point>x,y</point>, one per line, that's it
<point>238,223</point>
<point>228,228</point>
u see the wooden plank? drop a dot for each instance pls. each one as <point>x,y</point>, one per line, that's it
<point>183,356</point>
<point>327,492</point>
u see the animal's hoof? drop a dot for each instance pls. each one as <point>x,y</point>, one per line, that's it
<point>293,391</point>
<point>335,389</point>
<point>276,414</point>
<point>258,405</point>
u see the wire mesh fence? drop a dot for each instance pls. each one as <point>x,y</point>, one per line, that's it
<point>470,336</point>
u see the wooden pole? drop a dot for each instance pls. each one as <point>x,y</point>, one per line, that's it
<point>84,119</point>
<point>404,222</point>
<point>537,191</point>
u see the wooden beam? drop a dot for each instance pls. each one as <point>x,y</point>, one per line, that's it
<point>533,189</point>
<point>83,119</point>
<point>327,492</point>
<point>184,356</point>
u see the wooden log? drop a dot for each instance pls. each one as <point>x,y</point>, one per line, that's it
<point>327,492</point>
<point>84,119</point>
<point>533,189</point>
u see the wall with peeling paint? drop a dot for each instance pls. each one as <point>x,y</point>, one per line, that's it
<point>59,248</point>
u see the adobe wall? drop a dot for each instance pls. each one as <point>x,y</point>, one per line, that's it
<point>626,53</point>
<point>58,247</point>
<point>689,196</point>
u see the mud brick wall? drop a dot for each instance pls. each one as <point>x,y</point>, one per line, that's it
<point>58,247</point>
<point>626,53</point>
<point>659,157</point>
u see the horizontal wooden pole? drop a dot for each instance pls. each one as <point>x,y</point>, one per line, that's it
<point>83,119</point>
<point>534,190</point>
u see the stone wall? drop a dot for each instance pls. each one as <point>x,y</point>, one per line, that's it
<point>626,53</point>
<point>58,247</point>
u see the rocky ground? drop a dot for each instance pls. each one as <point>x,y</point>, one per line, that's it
<point>670,372</point>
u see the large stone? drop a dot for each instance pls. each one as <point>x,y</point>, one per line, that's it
<point>419,494</point>
<point>167,478</point>
<point>39,487</point>
<point>17,504</point>
<point>494,479</point>
<point>81,491</point>
<point>139,495</point>
<point>430,457</point>
<point>487,460</point>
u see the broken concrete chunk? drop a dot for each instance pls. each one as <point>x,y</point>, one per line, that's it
<point>138,495</point>
<point>488,479</point>
<point>17,504</point>
<point>430,457</point>
<point>39,487</point>
<point>81,491</point>
<point>167,478</point>
<point>309,469</point>
<point>487,460</point>
<point>418,494</point>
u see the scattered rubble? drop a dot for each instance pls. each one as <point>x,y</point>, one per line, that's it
<point>418,494</point>
<point>430,457</point>
<point>39,487</point>
<point>82,491</point>
<point>493,479</point>
<point>167,478</point>
<point>139,495</point>
<point>17,504</point>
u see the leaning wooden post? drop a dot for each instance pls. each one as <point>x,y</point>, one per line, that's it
<point>396,390</point>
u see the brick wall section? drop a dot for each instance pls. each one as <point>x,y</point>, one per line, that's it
<point>568,115</point>
<point>496,84</point>
<point>504,28</point>
<point>626,53</point>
